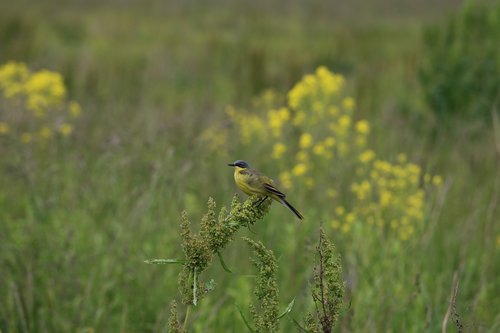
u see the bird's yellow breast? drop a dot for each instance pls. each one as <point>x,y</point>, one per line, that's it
<point>247,182</point>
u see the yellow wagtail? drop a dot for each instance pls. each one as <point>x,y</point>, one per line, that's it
<point>252,182</point>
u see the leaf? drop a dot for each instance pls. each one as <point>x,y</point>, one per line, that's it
<point>288,309</point>
<point>244,319</point>
<point>165,261</point>
<point>223,263</point>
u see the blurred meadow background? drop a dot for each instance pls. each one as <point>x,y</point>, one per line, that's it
<point>379,119</point>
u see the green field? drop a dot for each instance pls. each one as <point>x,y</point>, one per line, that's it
<point>170,92</point>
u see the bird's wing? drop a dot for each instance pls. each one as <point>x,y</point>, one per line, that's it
<point>253,178</point>
<point>269,187</point>
<point>258,181</point>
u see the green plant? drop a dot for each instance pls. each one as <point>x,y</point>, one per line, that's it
<point>327,287</point>
<point>460,74</point>
<point>216,233</point>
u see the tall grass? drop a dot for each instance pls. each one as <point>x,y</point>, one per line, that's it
<point>78,217</point>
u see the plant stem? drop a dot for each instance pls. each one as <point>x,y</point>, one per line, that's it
<point>188,311</point>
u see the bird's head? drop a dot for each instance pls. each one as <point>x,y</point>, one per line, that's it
<point>240,164</point>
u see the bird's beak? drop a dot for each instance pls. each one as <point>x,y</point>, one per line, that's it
<point>231,164</point>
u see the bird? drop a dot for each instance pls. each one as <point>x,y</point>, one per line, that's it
<point>252,182</point>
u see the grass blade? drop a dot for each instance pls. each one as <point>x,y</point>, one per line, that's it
<point>299,326</point>
<point>223,263</point>
<point>245,320</point>
<point>288,309</point>
<point>165,261</point>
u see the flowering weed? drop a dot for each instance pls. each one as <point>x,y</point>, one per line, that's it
<point>34,105</point>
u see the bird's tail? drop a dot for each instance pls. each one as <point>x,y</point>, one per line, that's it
<point>291,208</point>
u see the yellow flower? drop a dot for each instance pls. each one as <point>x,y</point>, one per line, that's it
<point>305,140</point>
<point>278,150</point>
<point>65,129</point>
<point>45,89</point>
<point>321,83</point>
<point>367,156</point>
<point>322,72</point>
<point>340,210</point>
<point>26,137</point>
<point>299,169</point>
<point>330,141</point>
<point>415,201</point>
<point>348,103</point>
<point>363,127</point>
<point>309,182</point>
<point>402,158</point>
<point>74,109</point>
<point>406,232</point>
<point>333,110</point>
<point>276,120</point>
<point>335,224</point>
<point>12,78</point>
<point>386,198</point>
<point>45,132</point>
<point>413,169</point>
<point>382,166</point>
<point>331,193</point>
<point>437,180</point>
<point>4,128</point>
<point>302,156</point>
<point>319,149</point>
<point>330,83</point>
<point>345,121</point>
<point>286,180</point>
<point>267,99</point>
<point>350,218</point>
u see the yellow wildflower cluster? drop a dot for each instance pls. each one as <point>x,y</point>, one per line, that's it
<point>323,114</point>
<point>388,196</point>
<point>314,88</point>
<point>35,107</point>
